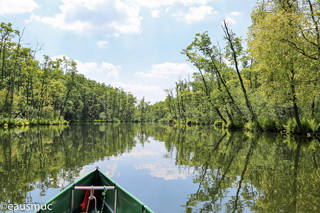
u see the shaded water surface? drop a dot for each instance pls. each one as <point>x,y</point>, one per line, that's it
<point>169,168</point>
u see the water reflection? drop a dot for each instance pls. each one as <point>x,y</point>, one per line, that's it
<point>239,172</point>
<point>224,172</point>
<point>44,158</point>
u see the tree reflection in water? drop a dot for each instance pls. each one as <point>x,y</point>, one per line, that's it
<point>234,171</point>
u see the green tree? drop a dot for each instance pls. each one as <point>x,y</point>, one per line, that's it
<point>287,76</point>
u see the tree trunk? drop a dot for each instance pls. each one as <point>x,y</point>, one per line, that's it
<point>28,82</point>
<point>220,115</point>
<point>15,73</point>
<point>208,96</point>
<point>229,115</point>
<point>65,102</point>
<point>294,102</point>
<point>234,55</point>
<point>313,108</point>
<point>3,60</point>
<point>226,88</point>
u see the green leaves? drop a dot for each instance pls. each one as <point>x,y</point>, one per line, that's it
<point>54,88</point>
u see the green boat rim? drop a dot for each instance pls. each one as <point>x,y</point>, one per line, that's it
<point>144,208</point>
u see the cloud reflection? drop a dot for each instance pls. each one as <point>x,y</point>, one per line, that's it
<point>166,171</point>
<point>111,171</point>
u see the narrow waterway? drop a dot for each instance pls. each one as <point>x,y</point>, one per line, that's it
<point>169,168</point>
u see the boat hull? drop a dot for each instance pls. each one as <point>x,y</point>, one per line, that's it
<point>125,202</point>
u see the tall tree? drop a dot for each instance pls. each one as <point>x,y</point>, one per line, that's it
<point>287,75</point>
<point>234,51</point>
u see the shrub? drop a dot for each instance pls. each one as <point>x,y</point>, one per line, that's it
<point>102,116</point>
<point>163,121</point>
<point>251,126</point>
<point>34,122</point>
<point>20,122</point>
<point>305,126</point>
<point>291,126</point>
<point>314,126</point>
<point>4,121</point>
<point>218,123</point>
<point>269,124</point>
<point>116,120</point>
<point>235,125</point>
<point>280,125</point>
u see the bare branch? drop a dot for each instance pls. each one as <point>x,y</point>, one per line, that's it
<point>299,49</point>
<point>314,21</point>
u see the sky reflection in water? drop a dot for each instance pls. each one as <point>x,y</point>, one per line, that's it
<point>170,169</point>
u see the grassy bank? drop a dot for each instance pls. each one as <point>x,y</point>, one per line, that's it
<point>268,125</point>
<point>6,122</point>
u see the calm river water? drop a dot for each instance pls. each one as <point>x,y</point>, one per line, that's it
<point>169,168</point>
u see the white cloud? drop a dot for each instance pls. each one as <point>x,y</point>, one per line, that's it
<point>84,172</point>
<point>141,153</point>
<point>165,171</point>
<point>110,69</point>
<point>195,13</point>
<point>166,70</point>
<point>105,68</point>
<point>84,68</point>
<point>198,13</point>
<point>230,17</point>
<point>230,20</point>
<point>155,13</point>
<point>59,57</point>
<point>234,13</point>
<point>137,87</point>
<point>159,3</point>
<point>151,93</point>
<point>109,17</point>
<point>111,170</point>
<point>102,44</point>
<point>17,6</point>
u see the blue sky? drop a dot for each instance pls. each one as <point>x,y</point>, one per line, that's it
<point>133,44</point>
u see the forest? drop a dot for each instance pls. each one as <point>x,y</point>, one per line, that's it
<point>52,91</point>
<point>267,82</point>
<point>271,85</point>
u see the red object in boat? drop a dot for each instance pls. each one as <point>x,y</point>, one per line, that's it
<point>86,199</point>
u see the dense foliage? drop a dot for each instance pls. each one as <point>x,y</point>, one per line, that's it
<point>273,85</point>
<point>47,92</point>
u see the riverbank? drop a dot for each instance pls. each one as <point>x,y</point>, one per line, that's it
<point>8,123</point>
<point>309,127</point>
